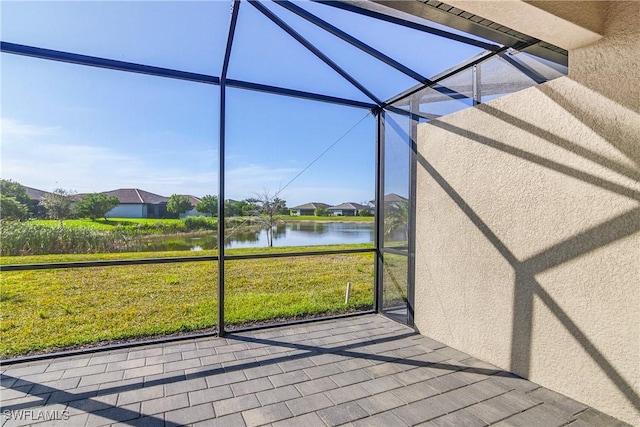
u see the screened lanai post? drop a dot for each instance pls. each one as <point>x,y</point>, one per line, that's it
<point>235,6</point>
<point>379,213</point>
<point>411,223</point>
<point>476,84</point>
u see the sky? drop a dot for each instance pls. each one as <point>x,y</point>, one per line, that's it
<point>87,129</point>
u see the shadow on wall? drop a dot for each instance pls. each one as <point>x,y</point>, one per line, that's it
<point>624,136</point>
<point>526,286</point>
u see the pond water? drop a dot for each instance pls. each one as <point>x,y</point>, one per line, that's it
<point>303,233</point>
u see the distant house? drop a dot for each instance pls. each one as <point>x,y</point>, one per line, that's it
<point>35,194</point>
<point>391,198</point>
<point>307,208</point>
<point>194,202</point>
<point>36,197</point>
<point>349,209</point>
<point>136,203</point>
<point>133,203</point>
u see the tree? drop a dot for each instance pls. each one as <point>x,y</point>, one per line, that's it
<point>178,204</point>
<point>322,212</point>
<point>13,189</point>
<point>58,204</point>
<point>208,205</point>
<point>238,208</point>
<point>267,210</point>
<point>246,207</point>
<point>19,195</point>
<point>230,208</point>
<point>11,209</point>
<point>96,205</point>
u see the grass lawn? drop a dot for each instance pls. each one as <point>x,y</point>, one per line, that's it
<point>111,223</point>
<point>44,310</point>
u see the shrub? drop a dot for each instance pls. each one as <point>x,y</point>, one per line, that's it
<point>200,223</point>
<point>161,227</point>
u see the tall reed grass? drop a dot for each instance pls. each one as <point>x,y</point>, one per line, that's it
<point>27,238</point>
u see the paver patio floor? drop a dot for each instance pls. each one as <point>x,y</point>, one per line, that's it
<point>358,371</point>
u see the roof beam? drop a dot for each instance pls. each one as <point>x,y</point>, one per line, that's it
<point>363,8</point>
<point>93,61</point>
<point>72,58</point>
<point>298,94</point>
<point>293,33</point>
<point>523,68</point>
<point>235,8</point>
<point>352,40</point>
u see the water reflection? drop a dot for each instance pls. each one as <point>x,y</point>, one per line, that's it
<point>288,234</point>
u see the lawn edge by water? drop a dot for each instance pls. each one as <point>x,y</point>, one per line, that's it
<point>56,258</point>
<point>110,223</point>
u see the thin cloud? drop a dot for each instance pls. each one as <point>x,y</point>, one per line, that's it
<point>244,181</point>
<point>12,128</point>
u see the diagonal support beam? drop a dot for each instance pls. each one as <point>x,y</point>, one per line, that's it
<point>352,40</point>
<point>235,9</point>
<point>298,94</point>
<point>349,6</point>
<point>293,33</point>
<point>523,68</point>
<point>455,70</point>
<point>111,64</point>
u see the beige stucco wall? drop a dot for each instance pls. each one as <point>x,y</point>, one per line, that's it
<point>528,220</point>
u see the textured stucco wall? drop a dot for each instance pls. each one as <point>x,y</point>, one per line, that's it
<point>528,227</point>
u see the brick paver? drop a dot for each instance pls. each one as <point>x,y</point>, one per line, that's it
<point>359,371</point>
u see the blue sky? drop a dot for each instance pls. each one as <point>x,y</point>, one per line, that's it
<point>88,129</point>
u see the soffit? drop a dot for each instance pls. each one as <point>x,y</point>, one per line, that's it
<point>556,23</point>
<point>500,21</point>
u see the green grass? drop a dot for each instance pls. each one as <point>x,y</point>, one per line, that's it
<point>44,259</point>
<point>109,224</point>
<point>395,280</point>
<point>44,310</point>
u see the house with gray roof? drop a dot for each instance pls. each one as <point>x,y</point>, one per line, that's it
<point>349,209</point>
<point>36,197</point>
<point>390,198</point>
<point>136,203</point>
<point>35,194</point>
<point>307,208</point>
